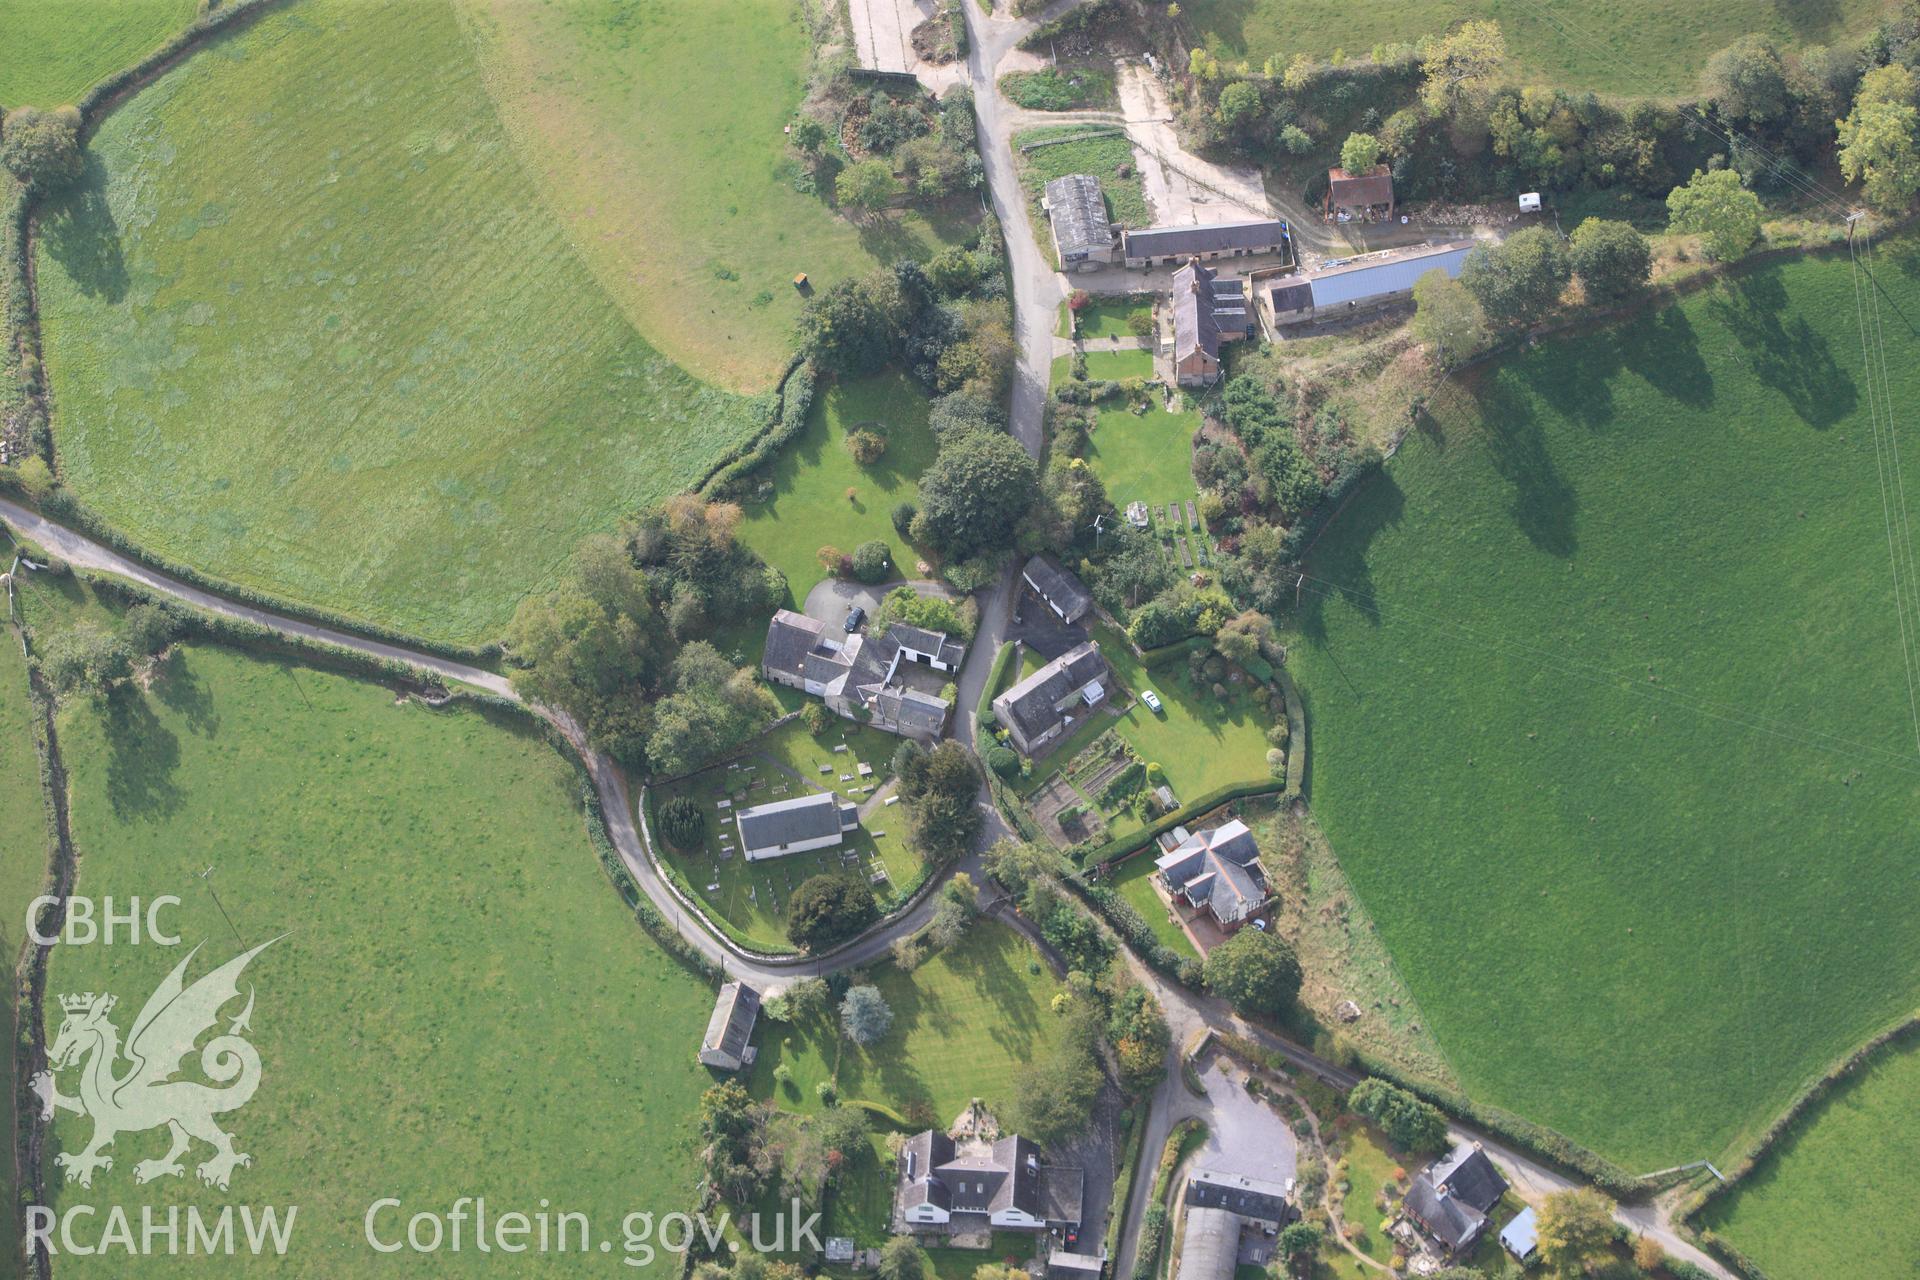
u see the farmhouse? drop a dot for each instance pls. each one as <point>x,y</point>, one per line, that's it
<point>1452,1197</point>
<point>892,681</point>
<point>1255,1199</point>
<point>1063,593</point>
<point>1220,1208</point>
<point>941,1183</point>
<point>818,821</point>
<point>1077,215</point>
<point>1375,281</point>
<point>1367,197</point>
<point>1207,311</point>
<point>1167,246</point>
<point>730,1028</point>
<point>1218,873</point>
<point>1040,709</point>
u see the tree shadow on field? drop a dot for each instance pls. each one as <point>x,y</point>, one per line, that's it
<point>1813,21</point>
<point>180,690</point>
<point>1543,502</point>
<point>81,235</point>
<point>888,239</point>
<point>1783,350</point>
<point>1664,351</point>
<point>1337,570</point>
<point>143,757</point>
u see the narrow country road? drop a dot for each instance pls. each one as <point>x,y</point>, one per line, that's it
<point>1037,294</point>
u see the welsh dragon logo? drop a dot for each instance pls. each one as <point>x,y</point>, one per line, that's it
<point>145,1095</point>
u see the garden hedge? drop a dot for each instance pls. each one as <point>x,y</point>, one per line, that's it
<point>784,418</point>
<point>1115,850</point>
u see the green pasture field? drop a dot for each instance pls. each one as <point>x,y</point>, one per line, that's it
<point>1143,457</point>
<point>1107,317</point>
<point>1117,365</point>
<point>1604,674</point>
<point>751,897</point>
<point>57,49</point>
<point>23,864</point>
<point>965,1024</point>
<point>602,98</point>
<point>458,1002</point>
<point>808,508</point>
<point>1134,881</point>
<point>310,328</point>
<point>1630,47</point>
<point>1829,1199</point>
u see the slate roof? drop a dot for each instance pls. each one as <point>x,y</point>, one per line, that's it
<point>1032,702</point>
<point>1363,281</point>
<point>1209,237</point>
<point>1238,1193</point>
<point>790,638</point>
<point>768,826</point>
<point>1062,1190</point>
<point>1452,1197</point>
<point>1291,295</point>
<point>1220,870</point>
<point>1079,214</point>
<point>1008,1175</point>
<point>912,710</point>
<point>1448,1219</point>
<point>1359,190</point>
<point>1467,1174</point>
<point>731,1025</point>
<point>921,640</point>
<point>1058,587</point>
<point>1206,311</point>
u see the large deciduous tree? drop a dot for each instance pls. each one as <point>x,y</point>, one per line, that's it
<point>826,909</point>
<point>1877,139</point>
<point>1254,971</point>
<point>1447,318</point>
<point>42,148</point>
<point>1717,208</point>
<point>1520,279</point>
<point>1611,259</point>
<point>1458,69</point>
<point>1575,1228</point>
<point>975,492</point>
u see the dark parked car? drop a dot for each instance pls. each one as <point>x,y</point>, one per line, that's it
<point>855,616</point>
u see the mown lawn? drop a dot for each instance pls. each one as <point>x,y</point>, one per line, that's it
<point>57,49</point>
<point>1832,1199</point>
<point>1604,671</point>
<point>751,897</point>
<point>1134,881</point>
<point>1108,317</point>
<point>1143,457</point>
<point>310,328</point>
<point>460,1004</point>
<point>965,1023</point>
<point>1116,365</point>
<point>603,97</point>
<point>808,507</point>
<point>1634,47</point>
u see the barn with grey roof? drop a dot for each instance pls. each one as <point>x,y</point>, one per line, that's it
<point>1077,214</point>
<point>1168,246</point>
<point>725,1046</point>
